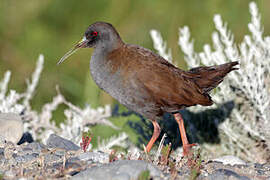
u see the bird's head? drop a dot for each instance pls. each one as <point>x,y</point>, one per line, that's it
<point>99,35</point>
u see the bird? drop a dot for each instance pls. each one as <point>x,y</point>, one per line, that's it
<point>145,82</point>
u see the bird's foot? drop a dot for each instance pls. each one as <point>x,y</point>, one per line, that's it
<point>187,148</point>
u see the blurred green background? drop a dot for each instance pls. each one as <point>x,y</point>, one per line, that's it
<point>51,27</point>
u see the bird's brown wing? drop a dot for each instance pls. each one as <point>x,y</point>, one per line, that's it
<point>170,88</point>
<point>167,84</point>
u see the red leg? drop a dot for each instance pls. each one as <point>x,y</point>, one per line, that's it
<point>186,145</point>
<point>154,136</point>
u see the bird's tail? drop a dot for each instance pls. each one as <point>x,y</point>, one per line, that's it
<point>207,78</point>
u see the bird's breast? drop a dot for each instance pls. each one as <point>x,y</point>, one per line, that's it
<point>109,79</point>
<point>101,73</point>
<point>125,89</point>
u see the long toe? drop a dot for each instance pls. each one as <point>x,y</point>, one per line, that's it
<point>187,148</point>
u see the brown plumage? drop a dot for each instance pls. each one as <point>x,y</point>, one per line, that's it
<point>169,86</point>
<point>207,78</point>
<point>144,81</point>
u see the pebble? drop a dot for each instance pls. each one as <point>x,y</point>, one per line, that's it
<point>221,174</point>
<point>36,147</point>
<point>56,141</point>
<point>25,158</point>
<point>94,157</point>
<point>26,137</point>
<point>59,160</point>
<point>11,127</point>
<point>230,160</point>
<point>1,152</point>
<point>2,141</point>
<point>9,150</point>
<point>120,170</point>
<point>51,158</point>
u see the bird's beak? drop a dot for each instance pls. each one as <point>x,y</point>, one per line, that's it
<point>81,44</point>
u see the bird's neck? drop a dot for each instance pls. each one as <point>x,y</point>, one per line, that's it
<point>100,67</point>
<point>108,44</point>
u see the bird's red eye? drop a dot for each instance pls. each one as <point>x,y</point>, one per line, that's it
<point>95,33</point>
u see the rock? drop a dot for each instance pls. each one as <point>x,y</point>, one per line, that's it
<point>27,137</point>
<point>120,170</point>
<point>11,127</point>
<point>73,167</point>
<point>2,141</point>
<point>9,150</point>
<point>1,152</point>
<point>55,141</point>
<point>10,174</point>
<point>257,165</point>
<point>230,160</point>
<point>50,158</point>
<point>35,147</point>
<point>2,163</point>
<point>94,157</point>
<point>60,152</point>
<point>221,174</point>
<point>25,158</point>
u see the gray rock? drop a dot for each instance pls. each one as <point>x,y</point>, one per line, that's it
<point>55,141</point>
<point>2,141</point>
<point>1,152</point>
<point>51,158</point>
<point>25,158</point>
<point>222,174</point>
<point>2,163</point>
<point>230,160</point>
<point>26,137</point>
<point>35,147</point>
<point>94,157</point>
<point>119,170</point>
<point>73,166</point>
<point>11,127</point>
<point>60,152</point>
<point>257,165</point>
